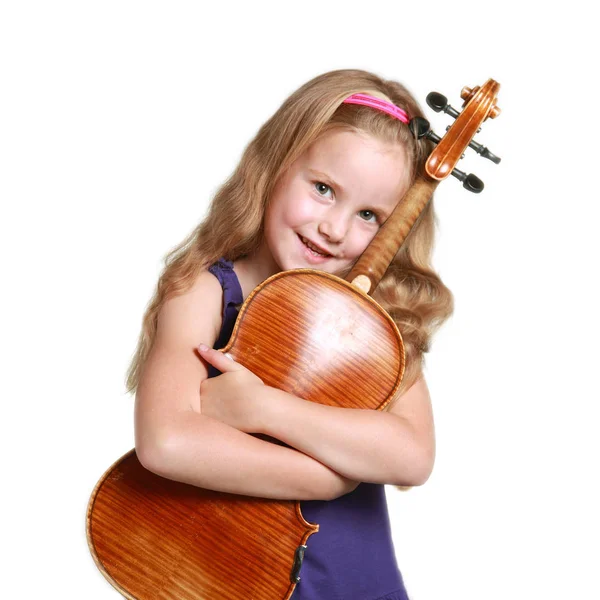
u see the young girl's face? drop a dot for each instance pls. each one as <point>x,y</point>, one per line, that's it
<point>335,198</point>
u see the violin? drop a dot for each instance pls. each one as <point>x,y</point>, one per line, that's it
<point>156,538</point>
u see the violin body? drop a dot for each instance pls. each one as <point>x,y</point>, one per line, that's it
<point>306,332</point>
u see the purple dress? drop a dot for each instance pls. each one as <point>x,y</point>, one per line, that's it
<point>352,556</point>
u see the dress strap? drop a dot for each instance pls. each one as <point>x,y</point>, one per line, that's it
<point>233,297</point>
<point>232,290</point>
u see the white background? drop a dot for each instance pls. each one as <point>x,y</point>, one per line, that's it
<point>120,119</point>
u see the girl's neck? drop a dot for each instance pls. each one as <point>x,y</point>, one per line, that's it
<point>253,269</point>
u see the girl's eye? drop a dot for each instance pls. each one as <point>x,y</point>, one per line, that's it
<point>322,188</point>
<point>372,215</point>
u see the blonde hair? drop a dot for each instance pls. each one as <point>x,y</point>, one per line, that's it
<point>411,292</point>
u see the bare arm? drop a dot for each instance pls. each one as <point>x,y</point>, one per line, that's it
<point>395,447</point>
<point>174,440</point>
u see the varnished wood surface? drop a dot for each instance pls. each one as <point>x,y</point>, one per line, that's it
<point>156,538</point>
<point>303,331</point>
<point>328,333</point>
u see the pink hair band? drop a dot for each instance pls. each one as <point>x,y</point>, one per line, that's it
<point>377,103</point>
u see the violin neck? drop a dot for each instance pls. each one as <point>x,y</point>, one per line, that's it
<point>375,260</point>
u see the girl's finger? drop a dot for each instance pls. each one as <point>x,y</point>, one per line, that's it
<point>220,360</point>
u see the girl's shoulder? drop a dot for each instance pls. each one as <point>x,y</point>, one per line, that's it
<point>195,315</point>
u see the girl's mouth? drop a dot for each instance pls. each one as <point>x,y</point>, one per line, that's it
<point>310,253</point>
<point>311,247</point>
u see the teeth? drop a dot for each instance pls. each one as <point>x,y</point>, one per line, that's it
<point>307,243</point>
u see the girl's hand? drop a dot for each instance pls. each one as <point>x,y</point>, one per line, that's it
<point>232,397</point>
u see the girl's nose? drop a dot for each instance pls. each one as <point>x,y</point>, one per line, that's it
<point>333,227</point>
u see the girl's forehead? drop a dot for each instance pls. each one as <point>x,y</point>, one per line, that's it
<point>338,146</point>
<point>360,162</point>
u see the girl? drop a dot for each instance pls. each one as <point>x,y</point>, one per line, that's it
<point>311,190</point>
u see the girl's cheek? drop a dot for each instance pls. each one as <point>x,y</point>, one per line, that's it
<point>358,244</point>
<point>303,210</point>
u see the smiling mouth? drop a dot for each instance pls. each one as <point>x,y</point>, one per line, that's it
<point>312,248</point>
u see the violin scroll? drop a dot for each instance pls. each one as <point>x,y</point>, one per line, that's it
<point>467,93</point>
<point>479,105</point>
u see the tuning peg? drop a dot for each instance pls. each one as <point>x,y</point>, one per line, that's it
<point>483,151</point>
<point>439,103</point>
<point>470,182</point>
<point>420,128</point>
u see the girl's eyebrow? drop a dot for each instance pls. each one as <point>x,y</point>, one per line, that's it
<point>326,177</point>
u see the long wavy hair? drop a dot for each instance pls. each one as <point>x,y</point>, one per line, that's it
<point>410,291</point>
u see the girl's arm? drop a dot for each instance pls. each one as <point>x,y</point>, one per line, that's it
<point>207,453</point>
<point>174,440</point>
<point>393,447</point>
